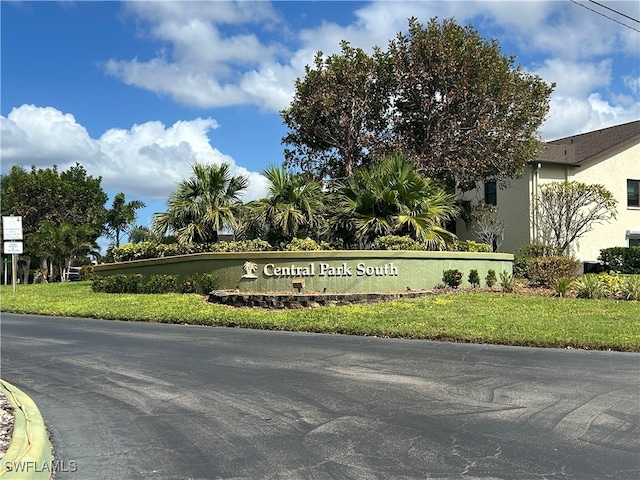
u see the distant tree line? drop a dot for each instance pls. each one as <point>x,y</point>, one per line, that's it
<point>63,215</point>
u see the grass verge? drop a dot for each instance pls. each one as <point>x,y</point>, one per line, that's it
<point>477,317</point>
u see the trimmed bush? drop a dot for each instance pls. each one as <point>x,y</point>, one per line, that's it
<point>545,271</point>
<point>161,284</point>
<point>240,246</point>
<point>135,251</point>
<point>470,246</point>
<point>305,244</point>
<point>621,259</point>
<point>145,250</point>
<point>119,284</point>
<point>524,256</point>
<point>86,272</point>
<point>452,278</point>
<point>491,279</point>
<point>396,242</point>
<point>201,283</point>
<point>474,278</point>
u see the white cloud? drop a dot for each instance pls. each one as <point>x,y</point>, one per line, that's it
<point>44,137</point>
<point>577,79</point>
<point>207,67</point>
<point>573,115</point>
<point>603,114</point>
<point>232,53</point>
<point>228,53</point>
<point>632,83</point>
<point>145,161</point>
<point>567,116</point>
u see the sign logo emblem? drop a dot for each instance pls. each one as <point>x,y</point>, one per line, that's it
<point>250,269</point>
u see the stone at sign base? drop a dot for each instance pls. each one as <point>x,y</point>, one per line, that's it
<point>304,300</point>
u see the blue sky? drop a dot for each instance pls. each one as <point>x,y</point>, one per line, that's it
<point>138,91</point>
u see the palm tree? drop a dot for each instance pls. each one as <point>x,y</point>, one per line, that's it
<point>391,198</point>
<point>59,244</point>
<point>121,216</point>
<point>202,205</point>
<point>140,233</point>
<point>293,207</point>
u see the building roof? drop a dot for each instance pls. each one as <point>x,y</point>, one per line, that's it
<point>579,149</point>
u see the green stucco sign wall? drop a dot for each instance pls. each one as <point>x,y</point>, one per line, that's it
<point>318,271</point>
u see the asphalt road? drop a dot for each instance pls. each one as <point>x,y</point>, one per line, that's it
<point>138,401</point>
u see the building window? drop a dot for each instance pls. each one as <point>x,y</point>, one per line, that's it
<point>490,193</point>
<point>633,193</point>
<point>634,238</point>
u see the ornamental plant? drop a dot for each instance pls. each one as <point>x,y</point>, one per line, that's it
<point>491,278</point>
<point>201,283</point>
<point>474,278</point>
<point>452,278</point>
<point>545,271</point>
<point>562,286</point>
<point>508,282</point>
<point>161,284</point>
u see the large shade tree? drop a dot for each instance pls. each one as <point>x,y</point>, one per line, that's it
<point>441,94</point>
<point>463,110</point>
<point>339,114</point>
<point>202,205</point>
<point>392,198</point>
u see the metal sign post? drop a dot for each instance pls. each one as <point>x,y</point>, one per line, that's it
<point>14,272</point>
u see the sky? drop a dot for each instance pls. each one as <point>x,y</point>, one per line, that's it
<point>136,92</point>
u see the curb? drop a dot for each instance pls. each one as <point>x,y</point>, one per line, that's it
<point>29,454</point>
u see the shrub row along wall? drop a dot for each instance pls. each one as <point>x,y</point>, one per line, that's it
<point>319,271</point>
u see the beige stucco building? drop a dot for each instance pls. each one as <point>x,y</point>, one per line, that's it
<point>609,157</point>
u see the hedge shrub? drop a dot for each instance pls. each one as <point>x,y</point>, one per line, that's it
<point>524,256</point>
<point>145,250</point>
<point>161,284</point>
<point>119,283</point>
<point>621,259</point>
<point>470,246</point>
<point>546,271</point>
<point>396,242</point>
<point>202,283</point>
<point>491,278</point>
<point>452,278</point>
<point>305,244</point>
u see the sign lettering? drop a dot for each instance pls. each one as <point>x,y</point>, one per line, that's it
<point>328,270</point>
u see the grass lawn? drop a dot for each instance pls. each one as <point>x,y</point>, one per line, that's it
<point>478,317</point>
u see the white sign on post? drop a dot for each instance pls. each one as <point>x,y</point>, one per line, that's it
<point>12,230</point>
<point>13,247</point>
<point>12,227</point>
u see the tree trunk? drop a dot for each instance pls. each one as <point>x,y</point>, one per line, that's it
<point>25,271</point>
